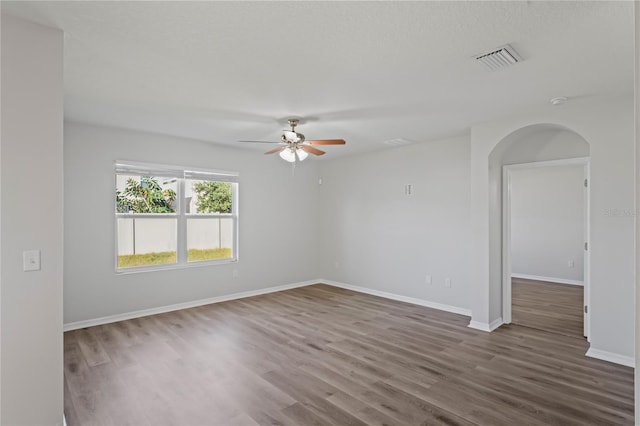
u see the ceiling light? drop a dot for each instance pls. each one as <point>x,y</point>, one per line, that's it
<point>288,155</point>
<point>293,153</point>
<point>296,148</point>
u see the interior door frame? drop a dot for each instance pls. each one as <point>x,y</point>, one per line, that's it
<point>507,171</point>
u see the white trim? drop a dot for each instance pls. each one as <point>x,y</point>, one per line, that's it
<point>185,305</point>
<point>181,229</point>
<point>628,361</point>
<point>587,254</point>
<point>577,161</point>
<point>392,296</point>
<point>192,304</point>
<point>506,244</point>
<point>181,172</point>
<point>495,323</point>
<point>548,279</point>
<point>483,326</point>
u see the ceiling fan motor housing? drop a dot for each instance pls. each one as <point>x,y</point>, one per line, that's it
<point>292,137</point>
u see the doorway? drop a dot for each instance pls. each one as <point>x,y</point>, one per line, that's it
<point>548,306</point>
<point>545,245</point>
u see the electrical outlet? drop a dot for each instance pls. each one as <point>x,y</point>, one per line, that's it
<point>571,264</point>
<point>447,282</point>
<point>235,273</point>
<point>336,264</point>
<point>427,279</point>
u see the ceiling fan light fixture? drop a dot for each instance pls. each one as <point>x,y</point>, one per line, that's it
<point>288,155</point>
<point>302,154</point>
<point>294,147</point>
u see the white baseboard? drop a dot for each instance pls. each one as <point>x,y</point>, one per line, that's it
<point>628,361</point>
<point>483,326</point>
<point>192,304</point>
<point>548,279</point>
<point>392,296</point>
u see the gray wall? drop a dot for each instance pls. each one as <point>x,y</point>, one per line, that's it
<point>358,227</point>
<point>607,124</point>
<point>31,198</point>
<point>278,223</point>
<point>547,222</point>
<point>375,236</point>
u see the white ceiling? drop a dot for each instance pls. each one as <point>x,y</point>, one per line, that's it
<point>363,71</point>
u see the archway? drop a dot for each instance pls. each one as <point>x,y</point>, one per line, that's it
<point>530,144</point>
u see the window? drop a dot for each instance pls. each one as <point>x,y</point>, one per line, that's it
<point>167,216</point>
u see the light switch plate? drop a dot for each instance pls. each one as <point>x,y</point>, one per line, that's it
<point>31,260</point>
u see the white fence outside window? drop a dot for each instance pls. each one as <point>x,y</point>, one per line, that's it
<point>140,236</point>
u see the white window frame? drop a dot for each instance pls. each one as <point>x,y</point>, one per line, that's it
<point>182,174</point>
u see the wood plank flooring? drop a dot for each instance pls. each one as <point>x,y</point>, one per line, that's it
<point>552,307</point>
<point>320,355</point>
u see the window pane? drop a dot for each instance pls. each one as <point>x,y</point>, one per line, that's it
<point>202,196</point>
<point>145,194</point>
<point>209,239</point>
<point>144,242</point>
<point>167,215</point>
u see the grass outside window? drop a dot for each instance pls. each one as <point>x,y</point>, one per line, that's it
<point>169,257</point>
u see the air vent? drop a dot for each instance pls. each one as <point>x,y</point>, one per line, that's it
<point>397,142</point>
<point>500,58</point>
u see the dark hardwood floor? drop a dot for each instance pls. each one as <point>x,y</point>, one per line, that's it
<point>320,355</point>
<point>552,307</point>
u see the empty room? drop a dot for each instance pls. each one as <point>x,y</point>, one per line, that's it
<point>318,213</point>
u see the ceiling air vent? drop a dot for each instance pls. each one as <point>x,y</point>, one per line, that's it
<point>500,58</point>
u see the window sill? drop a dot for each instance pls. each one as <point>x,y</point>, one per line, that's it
<point>157,268</point>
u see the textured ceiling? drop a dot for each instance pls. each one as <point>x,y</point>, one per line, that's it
<point>363,71</point>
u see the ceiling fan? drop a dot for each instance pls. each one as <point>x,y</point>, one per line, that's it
<point>295,147</point>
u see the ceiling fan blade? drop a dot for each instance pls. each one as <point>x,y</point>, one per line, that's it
<point>326,142</point>
<point>311,150</point>
<point>273,151</point>
<point>259,141</point>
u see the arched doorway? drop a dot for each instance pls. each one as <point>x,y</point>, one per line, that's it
<point>534,144</point>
